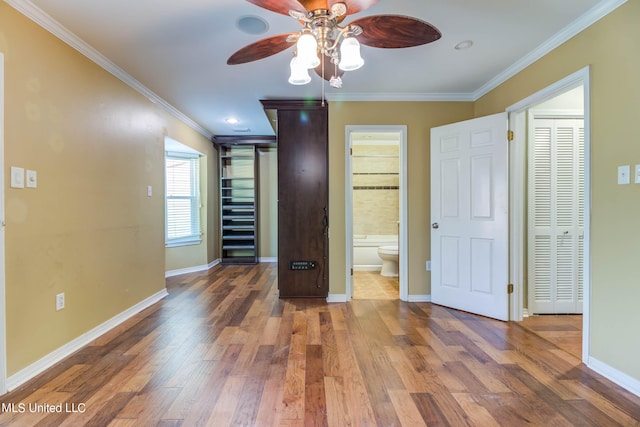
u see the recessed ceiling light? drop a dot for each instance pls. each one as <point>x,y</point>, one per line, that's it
<point>252,25</point>
<point>466,44</point>
<point>232,120</point>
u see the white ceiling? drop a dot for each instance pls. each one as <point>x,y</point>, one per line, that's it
<point>175,52</point>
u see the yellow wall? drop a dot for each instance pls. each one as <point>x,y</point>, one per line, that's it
<point>268,203</point>
<point>89,230</point>
<point>419,117</point>
<point>610,47</point>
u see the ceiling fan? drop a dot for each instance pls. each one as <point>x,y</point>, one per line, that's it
<point>338,45</point>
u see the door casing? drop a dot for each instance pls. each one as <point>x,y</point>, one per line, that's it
<point>403,285</point>
<point>517,197</point>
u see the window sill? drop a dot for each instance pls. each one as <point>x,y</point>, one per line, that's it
<point>184,242</point>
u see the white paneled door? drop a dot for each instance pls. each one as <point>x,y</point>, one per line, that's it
<point>469,216</point>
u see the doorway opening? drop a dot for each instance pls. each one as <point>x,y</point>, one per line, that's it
<point>376,212</point>
<point>550,216</point>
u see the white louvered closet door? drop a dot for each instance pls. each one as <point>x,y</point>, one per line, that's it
<point>556,215</point>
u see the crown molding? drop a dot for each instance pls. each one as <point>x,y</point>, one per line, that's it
<point>407,97</point>
<point>37,15</point>
<point>586,20</point>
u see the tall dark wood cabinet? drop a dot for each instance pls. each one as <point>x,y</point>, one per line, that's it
<point>303,197</point>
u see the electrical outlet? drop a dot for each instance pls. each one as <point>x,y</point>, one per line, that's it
<point>428,265</point>
<point>59,301</point>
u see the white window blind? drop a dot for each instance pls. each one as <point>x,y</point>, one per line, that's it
<point>182,199</point>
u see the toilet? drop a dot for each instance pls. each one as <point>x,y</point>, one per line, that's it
<point>389,256</point>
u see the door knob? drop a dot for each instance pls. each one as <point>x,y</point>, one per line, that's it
<point>435,225</point>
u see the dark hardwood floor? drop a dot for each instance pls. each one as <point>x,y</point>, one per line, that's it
<point>223,349</point>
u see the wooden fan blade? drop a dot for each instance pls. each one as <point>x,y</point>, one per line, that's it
<point>278,6</point>
<point>260,49</point>
<point>329,69</point>
<point>395,31</point>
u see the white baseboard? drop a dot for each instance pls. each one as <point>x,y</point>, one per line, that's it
<point>620,378</point>
<point>194,269</point>
<point>56,356</point>
<point>419,298</point>
<point>337,298</point>
<point>199,268</point>
<point>525,312</point>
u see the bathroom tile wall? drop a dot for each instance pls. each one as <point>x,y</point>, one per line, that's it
<point>375,189</point>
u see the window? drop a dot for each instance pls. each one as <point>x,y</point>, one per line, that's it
<point>182,199</point>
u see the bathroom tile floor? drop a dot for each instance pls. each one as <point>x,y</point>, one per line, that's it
<point>371,285</point>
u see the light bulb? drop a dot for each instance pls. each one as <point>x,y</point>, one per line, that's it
<point>350,58</point>
<point>299,73</point>
<point>307,48</point>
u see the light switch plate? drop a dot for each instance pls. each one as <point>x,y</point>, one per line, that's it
<point>32,179</point>
<point>623,174</point>
<point>637,175</point>
<point>17,177</point>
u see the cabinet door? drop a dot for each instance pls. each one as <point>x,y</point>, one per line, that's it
<point>303,202</point>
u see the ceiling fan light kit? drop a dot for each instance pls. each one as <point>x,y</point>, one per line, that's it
<point>322,39</point>
<point>322,35</point>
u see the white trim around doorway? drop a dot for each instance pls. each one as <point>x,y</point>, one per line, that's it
<point>518,149</point>
<point>403,246</point>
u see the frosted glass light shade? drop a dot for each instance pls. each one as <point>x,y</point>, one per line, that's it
<point>299,73</point>
<point>307,48</point>
<point>350,58</point>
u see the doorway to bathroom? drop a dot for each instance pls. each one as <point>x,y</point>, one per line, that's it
<point>376,212</point>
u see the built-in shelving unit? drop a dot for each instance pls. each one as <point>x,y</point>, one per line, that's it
<point>238,204</point>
